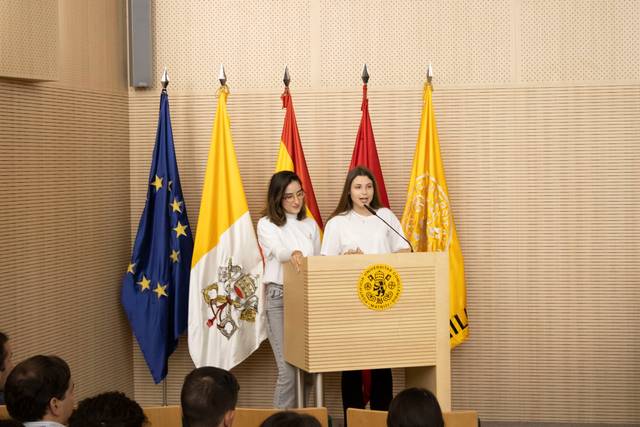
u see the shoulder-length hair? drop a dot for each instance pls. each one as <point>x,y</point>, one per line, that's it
<point>346,204</point>
<point>278,184</point>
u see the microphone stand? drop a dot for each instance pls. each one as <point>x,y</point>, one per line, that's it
<point>373,212</point>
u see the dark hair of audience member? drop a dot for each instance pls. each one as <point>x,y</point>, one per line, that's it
<point>290,419</point>
<point>111,409</point>
<point>10,423</point>
<point>3,340</point>
<point>208,393</point>
<point>415,407</point>
<point>33,383</point>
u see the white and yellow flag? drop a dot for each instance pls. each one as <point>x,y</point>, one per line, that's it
<point>428,221</point>
<point>226,313</point>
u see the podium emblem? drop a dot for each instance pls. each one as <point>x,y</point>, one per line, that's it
<point>379,287</point>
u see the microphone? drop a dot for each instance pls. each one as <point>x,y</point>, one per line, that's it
<point>373,212</point>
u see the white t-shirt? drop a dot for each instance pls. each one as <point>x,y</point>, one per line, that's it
<point>277,243</point>
<point>351,230</point>
<point>42,424</point>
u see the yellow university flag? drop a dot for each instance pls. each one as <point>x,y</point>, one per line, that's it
<point>226,315</point>
<point>428,221</point>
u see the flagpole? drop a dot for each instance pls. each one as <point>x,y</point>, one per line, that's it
<point>300,394</point>
<point>287,78</point>
<point>164,79</point>
<point>222,76</point>
<point>165,82</point>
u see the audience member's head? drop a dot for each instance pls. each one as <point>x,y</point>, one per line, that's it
<point>112,409</point>
<point>290,419</point>
<point>415,407</point>
<point>6,364</point>
<point>40,389</point>
<point>10,423</point>
<point>209,396</point>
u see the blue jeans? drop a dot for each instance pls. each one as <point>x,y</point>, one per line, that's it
<point>285,393</point>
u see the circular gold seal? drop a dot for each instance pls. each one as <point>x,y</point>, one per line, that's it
<point>379,287</point>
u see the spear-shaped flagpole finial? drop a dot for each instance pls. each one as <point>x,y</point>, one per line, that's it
<point>165,79</point>
<point>429,73</point>
<point>365,75</point>
<point>287,78</point>
<point>222,76</point>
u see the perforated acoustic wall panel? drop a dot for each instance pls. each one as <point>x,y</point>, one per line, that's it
<point>65,178</point>
<point>29,39</point>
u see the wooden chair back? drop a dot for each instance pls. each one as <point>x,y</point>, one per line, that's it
<point>171,416</point>
<point>253,417</point>
<point>368,418</point>
<point>164,416</point>
<point>4,414</point>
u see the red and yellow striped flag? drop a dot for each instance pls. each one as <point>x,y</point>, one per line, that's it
<point>428,221</point>
<point>291,157</point>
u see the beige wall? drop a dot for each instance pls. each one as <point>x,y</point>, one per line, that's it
<point>538,107</point>
<point>65,177</point>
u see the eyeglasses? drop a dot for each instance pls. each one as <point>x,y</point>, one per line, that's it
<point>288,197</point>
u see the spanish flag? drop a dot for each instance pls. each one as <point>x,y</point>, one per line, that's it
<point>226,315</point>
<point>428,220</point>
<point>291,157</point>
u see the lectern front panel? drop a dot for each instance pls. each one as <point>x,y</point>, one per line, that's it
<point>328,327</point>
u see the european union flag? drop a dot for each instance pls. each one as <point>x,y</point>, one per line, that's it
<point>155,289</point>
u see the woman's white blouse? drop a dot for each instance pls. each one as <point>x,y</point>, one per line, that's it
<point>351,230</point>
<point>277,243</point>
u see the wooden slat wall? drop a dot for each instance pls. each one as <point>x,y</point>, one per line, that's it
<point>64,172</point>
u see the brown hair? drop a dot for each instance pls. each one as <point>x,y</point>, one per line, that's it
<point>346,204</point>
<point>208,393</point>
<point>274,210</point>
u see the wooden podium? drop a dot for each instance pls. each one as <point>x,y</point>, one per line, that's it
<point>328,328</point>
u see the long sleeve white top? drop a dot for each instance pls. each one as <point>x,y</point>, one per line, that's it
<point>352,230</point>
<point>278,242</point>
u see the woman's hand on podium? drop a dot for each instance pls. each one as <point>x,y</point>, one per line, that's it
<point>356,251</point>
<point>296,259</point>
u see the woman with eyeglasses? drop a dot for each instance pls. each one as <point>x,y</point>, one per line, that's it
<point>353,229</point>
<point>285,234</point>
